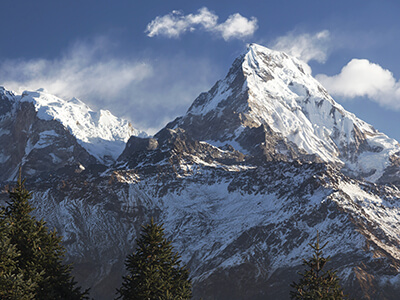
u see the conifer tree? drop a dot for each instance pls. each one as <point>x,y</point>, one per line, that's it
<point>315,282</point>
<point>13,286</point>
<point>40,253</point>
<point>154,271</point>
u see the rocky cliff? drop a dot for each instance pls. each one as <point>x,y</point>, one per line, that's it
<point>242,183</point>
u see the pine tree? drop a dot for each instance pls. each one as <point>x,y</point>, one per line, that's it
<point>154,271</point>
<point>13,286</point>
<point>317,283</point>
<point>40,253</point>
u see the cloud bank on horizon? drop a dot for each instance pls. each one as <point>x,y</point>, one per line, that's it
<point>174,24</point>
<point>78,72</point>
<point>148,94</point>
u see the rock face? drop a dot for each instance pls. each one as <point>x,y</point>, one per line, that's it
<point>242,183</point>
<point>43,133</point>
<point>272,92</point>
<point>40,146</point>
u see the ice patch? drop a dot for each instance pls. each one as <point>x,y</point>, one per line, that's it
<point>55,158</point>
<point>3,158</point>
<point>4,132</point>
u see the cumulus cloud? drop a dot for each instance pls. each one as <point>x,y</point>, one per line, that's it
<point>79,72</point>
<point>304,46</point>
<point>175,23</point>
<point>360,78</point>
<point>237,26</point>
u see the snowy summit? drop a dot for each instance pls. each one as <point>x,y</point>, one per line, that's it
<point>272,89</point>
<point>102,134</point>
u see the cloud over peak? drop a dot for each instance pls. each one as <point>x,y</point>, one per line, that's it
<point>175,23</point>
<point>361,77</point>
<point>305,46</point>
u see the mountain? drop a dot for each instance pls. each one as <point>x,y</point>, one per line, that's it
<point>242,182</point>
<point>43,133</point>
<point>268,91</point>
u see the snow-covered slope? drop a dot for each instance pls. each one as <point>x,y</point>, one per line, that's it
<point>243,230</point>
<point>242,183</point>
<point>269,88</point>
<point>102,134</point>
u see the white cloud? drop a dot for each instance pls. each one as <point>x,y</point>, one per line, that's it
<point>79,72</point>
<point>169,93</point>
<point>360,77</point>
<point>175,23</point>
<point>147,93</point>
<point>237,26</point>
<point>304,46</point>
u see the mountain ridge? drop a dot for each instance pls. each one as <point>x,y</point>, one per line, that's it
<point>239,195</point>
<point>42,125</point>
<point>258,91</point>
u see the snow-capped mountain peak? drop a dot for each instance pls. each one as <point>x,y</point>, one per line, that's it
<point>242,183</point>
<point>101,133</point>
<point>270,88</point>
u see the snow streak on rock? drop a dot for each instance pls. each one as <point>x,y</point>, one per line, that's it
<point>269,88</point>
<point>242,182</point>
<point>102,134</point>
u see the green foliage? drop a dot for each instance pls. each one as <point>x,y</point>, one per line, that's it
<point>154,271</point>
<point>38,253</point>
<point>13,286</point>
<point>316,283</point>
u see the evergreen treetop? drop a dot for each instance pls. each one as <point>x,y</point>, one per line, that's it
<point>39,251</point>
<point>154,270</point>
<point>13,285</point>
<point>316,283</point>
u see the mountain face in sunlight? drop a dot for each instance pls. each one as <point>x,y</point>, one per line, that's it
<point>242,183</point>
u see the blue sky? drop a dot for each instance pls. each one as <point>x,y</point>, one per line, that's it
<point>148,60</point>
